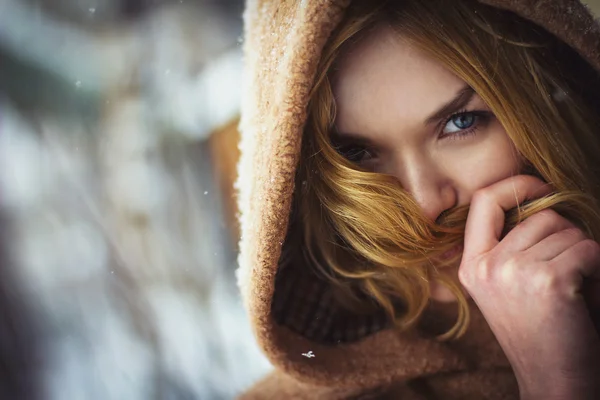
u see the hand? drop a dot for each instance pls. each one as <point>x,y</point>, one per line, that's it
<point>528,287</point>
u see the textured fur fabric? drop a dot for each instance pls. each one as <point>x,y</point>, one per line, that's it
<point>283,42</point>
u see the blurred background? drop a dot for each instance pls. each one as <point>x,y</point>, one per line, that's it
<point>118,147</point>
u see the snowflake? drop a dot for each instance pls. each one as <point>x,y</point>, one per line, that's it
<point>310,354</point>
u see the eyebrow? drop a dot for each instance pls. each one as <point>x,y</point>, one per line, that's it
<point>461,99</point>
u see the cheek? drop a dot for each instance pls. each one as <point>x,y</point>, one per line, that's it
<point>487,162</point>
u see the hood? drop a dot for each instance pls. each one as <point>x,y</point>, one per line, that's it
<point>294,317</point>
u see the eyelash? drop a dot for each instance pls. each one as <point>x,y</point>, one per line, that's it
<point>348,151</point>
<point>481,117</point>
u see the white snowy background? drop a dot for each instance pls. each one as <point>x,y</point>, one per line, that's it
<point>117,266</point>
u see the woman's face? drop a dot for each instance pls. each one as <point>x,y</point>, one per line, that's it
<point>402,113</point>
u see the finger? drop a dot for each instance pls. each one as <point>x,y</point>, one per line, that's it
<point>555,244</point>
<point>533,230</point>
<point>582,260</point>
<point>486,212</point>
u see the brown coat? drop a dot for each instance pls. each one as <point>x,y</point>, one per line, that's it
<point>320,351</point>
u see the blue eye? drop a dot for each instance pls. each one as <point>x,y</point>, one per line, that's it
<point>464,123</point>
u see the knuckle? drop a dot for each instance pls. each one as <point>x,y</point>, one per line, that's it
<point>522,179</point>
<point>546,217</point>
<point>545,281</point>
<point>468,274</point>
<point>550,220</point>
<point>464,276</point>
<point>483,195</point>
<point>477,273</point>
<point>467,280</point>
<point>509,270</point>
<point>590,246</point>
<point>490,272</point>
<point>575,233</point>
<point>547,213</point>
<point>485,269</point>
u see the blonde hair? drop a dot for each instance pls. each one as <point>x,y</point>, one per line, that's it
<point>363,232</point>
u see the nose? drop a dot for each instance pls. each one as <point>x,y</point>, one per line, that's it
<point>432,187</point>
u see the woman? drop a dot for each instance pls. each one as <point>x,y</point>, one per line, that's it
<point>433,234</point>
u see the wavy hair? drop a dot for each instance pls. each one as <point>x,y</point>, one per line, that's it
<point>363,232</point>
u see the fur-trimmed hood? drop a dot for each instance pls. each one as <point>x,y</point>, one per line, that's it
<point>312,342</point>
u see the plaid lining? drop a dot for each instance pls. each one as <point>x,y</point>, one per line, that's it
<point>304,303</point>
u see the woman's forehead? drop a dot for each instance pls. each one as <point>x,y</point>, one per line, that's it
<point>385,79</point>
